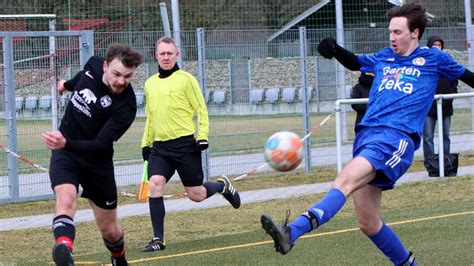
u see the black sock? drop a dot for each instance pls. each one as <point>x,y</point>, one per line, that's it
<point>118,248</point>
<point>64,230</point>
<point>212,187</point>
<point>157,215</point>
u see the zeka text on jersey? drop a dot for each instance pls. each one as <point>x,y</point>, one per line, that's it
<point>399,79</point>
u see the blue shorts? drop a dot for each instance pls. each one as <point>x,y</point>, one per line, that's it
<point>389,151</point>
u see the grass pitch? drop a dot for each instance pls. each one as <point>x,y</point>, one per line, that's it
<point>433,218</point>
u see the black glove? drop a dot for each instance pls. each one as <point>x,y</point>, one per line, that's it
<point>146,153</point>
<point>327,48</point>
<point>202,144</point>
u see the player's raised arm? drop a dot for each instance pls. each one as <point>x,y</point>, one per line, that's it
<point>468,78</point>
<point>328,48</point>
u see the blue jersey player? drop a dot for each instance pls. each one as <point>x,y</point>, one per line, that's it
<point>406,76</point>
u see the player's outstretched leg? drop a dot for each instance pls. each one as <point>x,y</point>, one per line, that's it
<point>279,233</point>
<point>62,255</point>
<point>318,214</point>
<point>229,192</point>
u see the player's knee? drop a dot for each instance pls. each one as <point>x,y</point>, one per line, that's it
<point>66,205</point>
<point>368,227</point>
<point>196,194</point>
<point>110,231</point>
<point>157,184</point>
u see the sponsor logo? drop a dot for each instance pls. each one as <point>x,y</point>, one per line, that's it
<point>105,101</point>
<point>399,79</point>
<point>88,96</point>
<point>88,73</point>
<point>79,103</point>
<point>110,203</point>
<point>402,71</point>
<point>419,61</point>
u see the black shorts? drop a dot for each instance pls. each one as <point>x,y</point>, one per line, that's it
<point>180,155</point>
<point>95,176</point>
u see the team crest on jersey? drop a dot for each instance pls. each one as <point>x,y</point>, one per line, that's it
<point>419,61</point>
<point>88,96</point>
<point>105,101</point>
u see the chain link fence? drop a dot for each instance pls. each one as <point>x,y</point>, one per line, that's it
<point>144,15</point>
<point>253,88</point>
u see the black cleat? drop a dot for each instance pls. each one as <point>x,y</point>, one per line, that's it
<point>229,193</point>
<point>119,261</point>
<point>62,255</point>
<point>279,233</point>
<point>154,245</point>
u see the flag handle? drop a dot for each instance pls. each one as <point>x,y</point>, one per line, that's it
<point>144,192</point>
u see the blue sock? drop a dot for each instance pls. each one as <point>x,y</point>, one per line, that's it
<point>322,211</point>
<point>389,243</point>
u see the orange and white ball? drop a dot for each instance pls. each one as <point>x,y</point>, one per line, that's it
<point>284,151</point>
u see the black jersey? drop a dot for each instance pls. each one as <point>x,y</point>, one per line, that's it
<point>94,117</point>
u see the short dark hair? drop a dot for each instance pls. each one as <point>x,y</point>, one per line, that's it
<point>126,54</point>
<point>415,14</point>
<point>167,40</point>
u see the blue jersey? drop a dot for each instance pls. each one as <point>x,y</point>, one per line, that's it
<point>404,87</point>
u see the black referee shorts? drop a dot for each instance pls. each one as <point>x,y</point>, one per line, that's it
<point>180,155</point>
<point>96,176</point>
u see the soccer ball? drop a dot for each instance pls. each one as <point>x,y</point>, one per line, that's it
<point>284,151</point>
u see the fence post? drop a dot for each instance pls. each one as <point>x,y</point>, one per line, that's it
<point>439,108</point>
<point>86,47</point>
<point>337,110</point>
<point>202,83</point>
<point>10,117</point>
<point>305,98</point>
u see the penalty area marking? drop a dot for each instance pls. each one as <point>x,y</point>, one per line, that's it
<point>306,236</point>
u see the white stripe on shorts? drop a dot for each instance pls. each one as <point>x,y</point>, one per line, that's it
<point>402,147</point>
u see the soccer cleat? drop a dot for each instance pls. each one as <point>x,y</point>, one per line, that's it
<point>279,233</point>
<point>154,245</point>
<point>119,261</point>
<point>62,255</point>
<point>229,193</point>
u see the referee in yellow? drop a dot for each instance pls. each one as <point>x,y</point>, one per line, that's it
<point>173,97</point>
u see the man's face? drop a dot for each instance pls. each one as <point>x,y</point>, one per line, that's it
<point>402,40</point>
<point>117,76</point>
<point>438,45</point>
<point>166,54</point>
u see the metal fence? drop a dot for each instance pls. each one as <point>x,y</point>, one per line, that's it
<point>461,130</point>
<point>142,15</point>
<point>253,88</point>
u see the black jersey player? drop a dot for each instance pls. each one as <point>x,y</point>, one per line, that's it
<point>101,109</point>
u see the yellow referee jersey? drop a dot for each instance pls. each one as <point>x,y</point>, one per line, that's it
<point>170,107</point>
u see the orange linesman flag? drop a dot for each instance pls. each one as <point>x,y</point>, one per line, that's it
<point>144,192</point>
